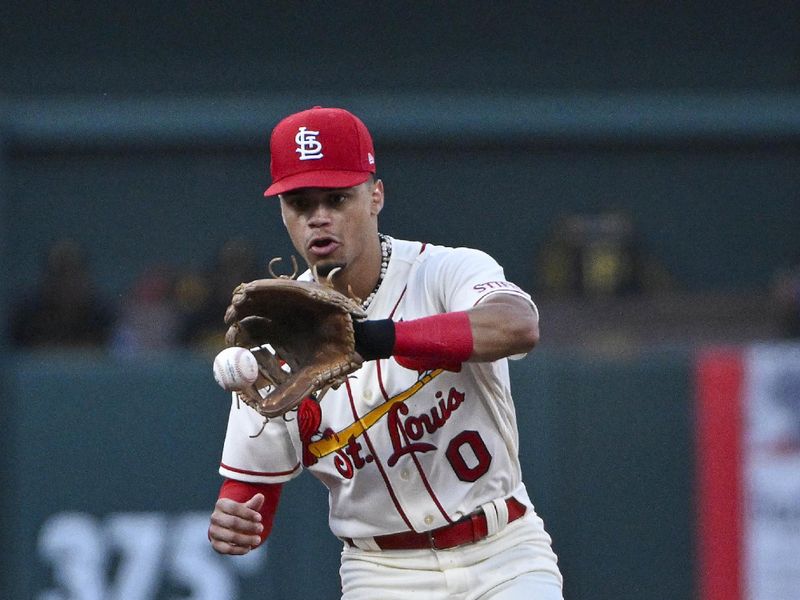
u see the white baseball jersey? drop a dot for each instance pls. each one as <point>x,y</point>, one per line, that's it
<point>396,448</point>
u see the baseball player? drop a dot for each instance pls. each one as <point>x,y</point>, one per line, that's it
<point>419,447</point>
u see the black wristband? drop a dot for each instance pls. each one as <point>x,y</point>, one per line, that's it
<point>374,339</point>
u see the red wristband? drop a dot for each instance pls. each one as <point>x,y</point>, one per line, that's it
<point>446,338</point>
<point>242,491</point>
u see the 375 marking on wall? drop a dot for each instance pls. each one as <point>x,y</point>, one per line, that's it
<point>137,556</point>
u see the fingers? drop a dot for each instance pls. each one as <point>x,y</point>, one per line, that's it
<point>232,334</point>
<point>255,503</point>
<point>223,547</point>
<point>235,526</point>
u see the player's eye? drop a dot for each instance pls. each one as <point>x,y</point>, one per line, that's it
<point>337,199</point>
<point>298,203</point>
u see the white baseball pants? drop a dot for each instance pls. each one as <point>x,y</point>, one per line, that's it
<point>515,564</point>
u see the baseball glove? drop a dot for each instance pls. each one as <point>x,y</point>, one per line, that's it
<point>301,333</point>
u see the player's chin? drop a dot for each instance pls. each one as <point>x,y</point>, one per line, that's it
<point>326,267</point>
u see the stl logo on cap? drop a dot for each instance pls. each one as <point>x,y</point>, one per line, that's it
<point>308,146</point>
<point>319,148</point>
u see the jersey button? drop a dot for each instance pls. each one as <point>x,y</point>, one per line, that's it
<point>405,474</point>
<point>428,520</point>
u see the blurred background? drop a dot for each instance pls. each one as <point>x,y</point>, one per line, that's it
<point>636,167</point>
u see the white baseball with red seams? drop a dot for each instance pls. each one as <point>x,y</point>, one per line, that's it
<point>235,368</point>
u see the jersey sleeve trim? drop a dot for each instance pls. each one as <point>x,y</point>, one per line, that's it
<point>511,292</point>
<point>254,476</point>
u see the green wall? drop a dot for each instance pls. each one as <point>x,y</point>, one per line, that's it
<point>151,123</point>
<point>189,47</point>
<point>112,464</point>
<point>695,208</point>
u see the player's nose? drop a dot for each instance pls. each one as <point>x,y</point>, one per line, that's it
<point>320,214</point>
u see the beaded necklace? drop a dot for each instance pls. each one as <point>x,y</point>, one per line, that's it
<point>386,254</point>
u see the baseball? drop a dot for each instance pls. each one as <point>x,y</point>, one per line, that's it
<point>235,368</point>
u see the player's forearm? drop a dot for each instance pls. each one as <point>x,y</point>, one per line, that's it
<point>497,328</point>
<point>502,326</point>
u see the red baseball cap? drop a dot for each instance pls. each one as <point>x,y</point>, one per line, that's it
<point>320,147</point>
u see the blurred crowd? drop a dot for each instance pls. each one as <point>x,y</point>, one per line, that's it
<point>598,256</point>
<point>585,256</point>
<point>163,309</point>
<point>786,293</point>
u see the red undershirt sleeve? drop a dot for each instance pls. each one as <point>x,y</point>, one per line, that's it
<point>439,341</point>
<point>242,491</point>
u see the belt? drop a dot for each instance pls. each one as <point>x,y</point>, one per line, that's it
<point>467,530</point>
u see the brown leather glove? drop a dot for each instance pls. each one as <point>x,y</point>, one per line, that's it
<point>309,329</point>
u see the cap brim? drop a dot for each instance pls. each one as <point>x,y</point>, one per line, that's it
<point>317,179</point>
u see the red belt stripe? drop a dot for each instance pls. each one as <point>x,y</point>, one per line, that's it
<point>467,530</point>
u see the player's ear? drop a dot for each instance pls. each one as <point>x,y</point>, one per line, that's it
<point>283,206</point>
<point>376,204</point>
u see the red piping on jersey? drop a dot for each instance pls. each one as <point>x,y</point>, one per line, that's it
<point>403,293</point>
<point>376,459</point>
<point>420,470</point>
<point>386,398</point>
<point>260,473</point>
<point>494,293</point>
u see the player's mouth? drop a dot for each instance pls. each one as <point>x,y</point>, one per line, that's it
<point>323,246</point>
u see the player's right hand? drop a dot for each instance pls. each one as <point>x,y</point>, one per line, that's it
<point>236,526</point>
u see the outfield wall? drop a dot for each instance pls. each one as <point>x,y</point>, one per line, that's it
<point>167,181</point>
<point>111,476</point>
